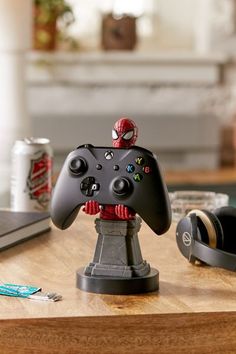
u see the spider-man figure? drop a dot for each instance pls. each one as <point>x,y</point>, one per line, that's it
<point>124,135</point>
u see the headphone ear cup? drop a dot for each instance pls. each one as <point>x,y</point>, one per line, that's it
<point>185,233</point>
<point>227,217</point>
<point>209,227</point>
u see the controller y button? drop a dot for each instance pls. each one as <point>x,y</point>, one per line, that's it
<point>121,187</point>
<point>139,160</point>
<point>78,166</point>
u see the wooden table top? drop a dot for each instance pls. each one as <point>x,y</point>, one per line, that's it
<point>50,261</point>
<point>187,294</point>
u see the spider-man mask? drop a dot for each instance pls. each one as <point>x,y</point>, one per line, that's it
<point>124,133</point>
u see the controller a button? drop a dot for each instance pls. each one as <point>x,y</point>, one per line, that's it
<point>137,177</point>
<point>139,160</point>
<point>130,168</point>
<point>147,169</point>
<point>78,166</point>
<point>121,187</point>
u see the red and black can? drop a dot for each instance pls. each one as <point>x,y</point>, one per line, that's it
<point>31,178</point>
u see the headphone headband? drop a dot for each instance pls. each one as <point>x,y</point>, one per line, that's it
<point>208,225</point>
<point>213,256</point>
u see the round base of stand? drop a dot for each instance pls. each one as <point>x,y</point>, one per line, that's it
<point>117,286</point>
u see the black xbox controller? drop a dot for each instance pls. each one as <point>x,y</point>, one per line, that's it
<point>112,176</point>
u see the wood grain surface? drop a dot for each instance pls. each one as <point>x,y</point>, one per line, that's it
<point>169,333</point>
<point>194,310</point>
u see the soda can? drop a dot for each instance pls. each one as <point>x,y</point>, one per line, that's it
<point>31,177</point>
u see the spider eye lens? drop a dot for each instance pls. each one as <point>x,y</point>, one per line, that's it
<point>114,134</point>
<point>129,135</point>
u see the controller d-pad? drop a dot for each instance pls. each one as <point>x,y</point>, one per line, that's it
<point>88,186</point>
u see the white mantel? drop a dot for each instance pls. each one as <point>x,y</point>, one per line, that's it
<point>177,99</point>
<point>125,68</point>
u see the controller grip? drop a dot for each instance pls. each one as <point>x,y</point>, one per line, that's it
<point>63,219</point>
<point>63,209</point>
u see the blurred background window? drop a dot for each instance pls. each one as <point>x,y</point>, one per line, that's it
<point>88,14</point>
<point>162,24</point>
<point>199,25</point>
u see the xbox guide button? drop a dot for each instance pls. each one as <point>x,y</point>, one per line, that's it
<point>109,155</point>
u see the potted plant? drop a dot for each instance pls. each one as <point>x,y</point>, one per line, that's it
<point>47,14</point>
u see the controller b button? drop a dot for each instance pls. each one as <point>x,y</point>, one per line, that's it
<point>121,187</point>
<point>78,166</point>
<point>147,169</point>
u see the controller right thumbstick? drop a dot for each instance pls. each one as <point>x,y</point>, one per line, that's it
<point>121,187</point>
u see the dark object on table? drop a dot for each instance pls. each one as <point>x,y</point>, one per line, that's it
<point>16,227</point>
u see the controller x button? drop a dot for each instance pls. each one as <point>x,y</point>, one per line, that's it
<point>130,168</point>
<point>88,186</point>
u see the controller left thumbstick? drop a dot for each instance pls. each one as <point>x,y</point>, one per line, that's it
<point>78,166</point>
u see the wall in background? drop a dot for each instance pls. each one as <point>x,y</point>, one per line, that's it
<point>179,101</point>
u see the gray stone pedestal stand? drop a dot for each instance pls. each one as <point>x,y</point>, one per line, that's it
<point>118,266</point>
